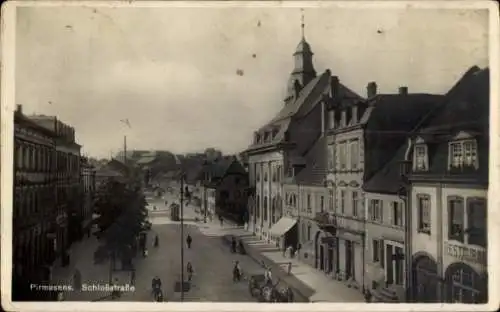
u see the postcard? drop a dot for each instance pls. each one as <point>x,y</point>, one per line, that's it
<point>245,155</point>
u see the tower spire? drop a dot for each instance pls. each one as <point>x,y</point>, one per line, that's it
<point>302,25</point>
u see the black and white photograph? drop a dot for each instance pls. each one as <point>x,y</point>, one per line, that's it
<point>249,153</point>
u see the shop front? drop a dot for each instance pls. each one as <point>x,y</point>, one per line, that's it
<point>286,232</point>
<point>465,276</point>
<point>351,260</point>
<point>426,280</point>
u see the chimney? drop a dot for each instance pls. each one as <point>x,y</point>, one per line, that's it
<point>403,90</point>
<point>371,89</point>
<point>335,86</point>
<point>19,108</point>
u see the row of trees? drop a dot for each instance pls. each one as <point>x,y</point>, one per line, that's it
<point>122,215</point>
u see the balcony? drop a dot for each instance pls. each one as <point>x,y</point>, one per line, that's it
<point>325,220</point>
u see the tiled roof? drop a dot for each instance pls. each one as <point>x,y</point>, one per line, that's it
<point>387,180</point>
<point>315,170</point>
<point>308,98</point>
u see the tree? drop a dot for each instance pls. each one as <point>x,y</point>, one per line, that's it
<point>122,214</point>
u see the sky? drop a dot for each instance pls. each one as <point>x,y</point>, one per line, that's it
<point>173,71</point>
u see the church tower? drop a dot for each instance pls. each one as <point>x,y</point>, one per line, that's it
<point>304,71</point>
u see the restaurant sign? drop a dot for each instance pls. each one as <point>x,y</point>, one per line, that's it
<point>466,253</point>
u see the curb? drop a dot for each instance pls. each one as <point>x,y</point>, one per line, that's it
<point>300,290</point>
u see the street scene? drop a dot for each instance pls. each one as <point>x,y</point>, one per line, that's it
<point>238,154</point>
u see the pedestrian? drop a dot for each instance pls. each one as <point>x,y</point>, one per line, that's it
<point>60,296</point>
<point>190,271</point>
<point>156,241</point>
<point>189,240</point>
<point>77,280</point>
<point>132,276</point>
<point>221,221</point>
<point>289,271</point>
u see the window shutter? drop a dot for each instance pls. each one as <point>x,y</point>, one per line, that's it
<point>381,253</point>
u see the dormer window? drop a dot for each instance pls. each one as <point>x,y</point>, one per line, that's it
<point>331,119</point>
<point>463,154</point>
<point>343,118</point>
<point>420,158</point>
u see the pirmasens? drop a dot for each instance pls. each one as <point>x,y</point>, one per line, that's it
<point>107,287</point>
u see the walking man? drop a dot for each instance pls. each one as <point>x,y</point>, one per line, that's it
<point>132,276</point>
<point>189,240</point>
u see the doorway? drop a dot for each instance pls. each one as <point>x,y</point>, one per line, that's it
<point>322,258</point>
<point>349,259</point>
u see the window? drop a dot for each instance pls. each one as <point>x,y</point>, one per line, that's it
<point>397,213</point>
<point>463,154</point>
<point>331,155</point>
<point>420,158</point>
<point>354,155</point>
<point>464,288</point>
<point>398,266</point>
<point>264,213</point>
<point>308,232</point>
<point>257,173</point>
<point>375,209</point>
<point>257,205</point>
<point>424,214</point>
<point>331,119</point>
<point>331,201</point>
<point>266,177</point>
<point>322,204</point>
<point>342,156</point>
<point>275,174</point>
<point>279,173</point>
<point>456,218</point>
<point>376,250</point>
<point>355,204</point>
<point>476,218</point>
<point>308,201</point>
<point>342,201</point>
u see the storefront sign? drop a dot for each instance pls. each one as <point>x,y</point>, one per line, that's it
<point>466,253</point>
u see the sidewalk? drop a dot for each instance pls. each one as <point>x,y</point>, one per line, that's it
<point>310,282</point>
<point>82,258</point>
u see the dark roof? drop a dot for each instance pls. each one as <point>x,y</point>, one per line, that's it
<point>465,109</point>
<point>388,121</point>
<point>309,96</point>
<point>315,170</point>
<point>397,111</point>
<point>387,180</point>
<point>466,103</point>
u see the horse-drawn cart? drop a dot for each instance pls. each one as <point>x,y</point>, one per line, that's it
<point>267,292</point>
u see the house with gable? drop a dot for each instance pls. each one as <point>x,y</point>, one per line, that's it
<point>224,193</point>
<point>363,135</point>
<point>447,174</point>
<point>279,147</point>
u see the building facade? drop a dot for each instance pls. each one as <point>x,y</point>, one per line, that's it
<point>448,180</point>
<point>385,208</point>
<point>88,180</point>
<point>364,135</point>
<point>68,190</point>
<point>34,211</point>
<point>225,189</point>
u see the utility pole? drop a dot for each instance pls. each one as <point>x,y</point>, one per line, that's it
<point>182,236</point>
<point>125,150</point>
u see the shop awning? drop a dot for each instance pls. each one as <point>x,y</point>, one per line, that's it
<point>282,226</point>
